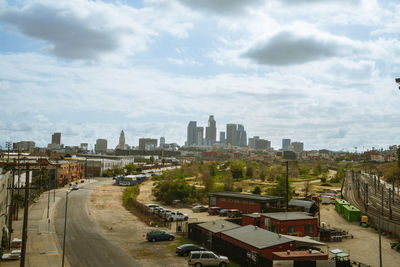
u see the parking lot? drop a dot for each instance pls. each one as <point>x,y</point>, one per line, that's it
<point>128,232</point>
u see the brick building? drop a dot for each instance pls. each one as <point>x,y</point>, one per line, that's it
<point>290,223</point>
<point>68,172</point>
<point>246,203</point>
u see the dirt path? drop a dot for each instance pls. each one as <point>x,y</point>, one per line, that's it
<point>105,205</point>
<point>364,246</point>
<point>146,192</point>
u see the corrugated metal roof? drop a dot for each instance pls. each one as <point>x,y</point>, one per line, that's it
<point>218,226</point>
<point>288,216</point>
<point>307,204</point>
<point>302,241</point>
<point>257,237</point>
<point>245,196</point>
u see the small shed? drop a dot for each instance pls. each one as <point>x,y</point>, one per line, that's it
<point>351,213</point>
<point>339,203</point>
<point>307,205</point>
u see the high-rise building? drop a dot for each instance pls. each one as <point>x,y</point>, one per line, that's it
<point>285,144</point>
<point>257,143</point>
<point>162,142</point>
<point>121,144</point>
<point>27,146</point>
<point>211,131</point>
<point>222,138</point>
<point>297,147</point>
<point>192,133</point>
<point>56,138</point>
<point>101,146</point>
<point>241,136</point>
<point>231,134</point>
<point>200,136</point>
<point>147,143</point>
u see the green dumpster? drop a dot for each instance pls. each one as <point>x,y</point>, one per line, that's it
<point>351,213</point>
<point>339,203</point>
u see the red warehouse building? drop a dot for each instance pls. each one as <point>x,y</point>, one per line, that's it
<point>209,230</point>
<point>290,223</point>
<point>259,243</point>
<point>246,203</point>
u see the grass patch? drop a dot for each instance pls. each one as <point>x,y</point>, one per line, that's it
<point>179,240</point>
<point>130,193</point>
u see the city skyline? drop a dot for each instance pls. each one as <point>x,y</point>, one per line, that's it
<point>317,71</point>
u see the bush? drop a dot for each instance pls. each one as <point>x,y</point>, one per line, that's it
<point>257,190</point>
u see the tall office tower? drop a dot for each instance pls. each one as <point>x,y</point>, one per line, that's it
<point>231,132</point>
<point>297,147</point>
<point>162,142</point>
<point>147,143</point>
<point>252,141</point>
<point>200,134</point>
<point>211,131</point>
<point>101,146</point>
<point>285,144</point>
<point>56,138</point>
<point>121,144</point>
<point>192,133</point>
<point>241,136</point>
<point>222,138</point>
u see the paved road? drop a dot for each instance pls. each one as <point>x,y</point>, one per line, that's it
<point>85,244</point>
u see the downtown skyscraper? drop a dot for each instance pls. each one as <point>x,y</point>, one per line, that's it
<point>211,131</point>
<point>191,134</point>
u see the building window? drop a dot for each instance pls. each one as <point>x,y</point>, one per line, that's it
<point>290,229</point>
<point>274,228</point>
<point>308,229</point>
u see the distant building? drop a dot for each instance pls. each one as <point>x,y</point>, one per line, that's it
<point>296,147</point>
<point>257,143</point>
<point>27,146</point>
<point>84,146</point>
<point>200,134</point>
<point>285,144</point>
<point>162,142</point>
<point>211,131</point>
<point>56,138</point>
<point>231,132</point>
<point>241,136</point>
<point>101,146</point>
<point>121,143</point>
<point>192,133</point>
<point>147,144</point>
<point>222,138</point>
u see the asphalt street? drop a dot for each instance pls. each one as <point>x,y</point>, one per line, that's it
<point>85,243</point>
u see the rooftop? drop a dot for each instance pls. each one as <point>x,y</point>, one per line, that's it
<point>253,215</point>
<point>301,255</point>
<point>245,196</point>
<point>218,226</point>
<point>288,216</point>
<point>257,237</point>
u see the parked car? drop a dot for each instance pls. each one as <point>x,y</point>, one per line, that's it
<point>233,213</point>
<point>185,249</point>
<point>199,208</point>
<point>151,206</point>
<point>207,258</point>
<point>75,187</point>
<point>214,210</point>
<point>159,235</point>
<point>223,212</point>
<point>177,216</point>
<point>163,213</point>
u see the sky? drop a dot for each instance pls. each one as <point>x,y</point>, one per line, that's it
<point>317,71</point>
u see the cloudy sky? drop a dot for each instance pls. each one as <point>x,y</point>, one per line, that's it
<point>317,71</point>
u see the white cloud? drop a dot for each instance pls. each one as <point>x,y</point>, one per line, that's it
<point>89,30</point>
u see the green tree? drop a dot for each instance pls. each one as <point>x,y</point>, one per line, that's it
<point>116,170</point>
<point>317,170</point>
<point>262,175</point>
<point>151,159</point>
<point>237,169</point>
<point>228,183</point>
<point>280,188</point>
<point>338,177</point>
<point>130,168</point>
<point>256,190</point>
<point>249,171</point>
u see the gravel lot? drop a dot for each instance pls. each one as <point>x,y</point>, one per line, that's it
<point>364,246</point>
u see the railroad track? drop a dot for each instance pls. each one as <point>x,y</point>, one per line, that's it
<point>374,198</point>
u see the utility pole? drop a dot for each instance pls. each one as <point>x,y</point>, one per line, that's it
<point>382,198</point>
<point>390,203</point>
<point>366,198</point>
<point>287,186</point>
<point>11,208</point>
<point>18,183</point>
<point>48,198</point>
<point>8,145</point>
<point>380,232</point>
<point>25,224</point>
<point>65,226</point>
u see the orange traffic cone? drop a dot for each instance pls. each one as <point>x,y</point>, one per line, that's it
<point>110,227</point>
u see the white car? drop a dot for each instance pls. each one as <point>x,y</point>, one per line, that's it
<point>176,216</point>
